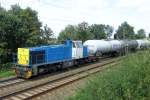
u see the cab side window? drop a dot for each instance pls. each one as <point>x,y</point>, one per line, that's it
<point>79,45</point>
<point>74,46</point>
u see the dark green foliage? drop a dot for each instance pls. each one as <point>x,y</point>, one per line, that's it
<point>69,32</point>
<point>125,31</point>
<point>84,32</point>
<point>140,34</point>
<point>5,67</point>
<point>28,29</point>
<point>109,30</point>
<point>46,35</point>
<point>79,32</point>
<point>20,28</point>
<point>129,80</point>
<point>98,31</point>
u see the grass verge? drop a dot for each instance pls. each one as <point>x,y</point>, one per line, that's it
<point>130,80</point>
<point>6,74</point>
<point>6,70</point>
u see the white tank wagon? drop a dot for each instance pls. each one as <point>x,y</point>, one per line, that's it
<point>143,44</point>
<point>131,45</point>
<point>124,47</point>
<point>98,47</point>
<point>147,43</point>
<point>116,46</point>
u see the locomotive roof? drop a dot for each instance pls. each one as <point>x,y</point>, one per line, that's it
<point>43,47</point>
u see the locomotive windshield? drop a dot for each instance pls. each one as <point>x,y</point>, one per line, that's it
<point>77,44</point>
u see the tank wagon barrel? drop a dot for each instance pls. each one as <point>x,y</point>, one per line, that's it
<point>143,44</point>
<point>97,47</point>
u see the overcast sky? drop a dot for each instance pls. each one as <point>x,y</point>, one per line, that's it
<point>59,13</point>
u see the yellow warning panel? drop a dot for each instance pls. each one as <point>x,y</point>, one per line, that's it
<point>23,56</point>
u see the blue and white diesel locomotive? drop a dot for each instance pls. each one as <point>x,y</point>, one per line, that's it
<point>35,60</point>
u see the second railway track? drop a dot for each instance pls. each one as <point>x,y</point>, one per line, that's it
<point>53,82</point>
<point>10,82</point>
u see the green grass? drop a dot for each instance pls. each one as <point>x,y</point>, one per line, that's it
<point>6,74</point>
<point>6,70</point>
<point>130,80</point>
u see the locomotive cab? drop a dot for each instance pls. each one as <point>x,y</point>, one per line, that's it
<point>77,50</point>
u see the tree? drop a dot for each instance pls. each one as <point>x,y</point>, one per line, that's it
<point>28,30</point>
<point>19,28</point>
<point>8,40</point>
<point>98,31</point>
<point>46,34</point>
<point>83,32</point>
<point>125,31</point>
<point>79,32</point>
<point>69,32</point>
<point>140,34</point>
<point>109,30</point>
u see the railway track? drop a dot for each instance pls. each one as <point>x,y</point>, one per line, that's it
<point>56,81</point>
<point>14,80</point>
<point>10,81</point>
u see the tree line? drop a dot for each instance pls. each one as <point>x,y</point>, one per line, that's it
<point>83,32</point>
<point>22,28</point>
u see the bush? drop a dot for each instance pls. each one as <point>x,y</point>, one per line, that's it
<point>130,80</point>
<point>5,67</point>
